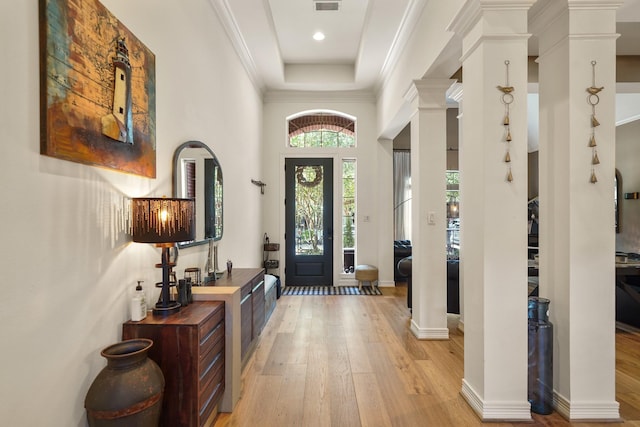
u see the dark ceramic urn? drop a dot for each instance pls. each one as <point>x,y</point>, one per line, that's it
<point>128,391</point>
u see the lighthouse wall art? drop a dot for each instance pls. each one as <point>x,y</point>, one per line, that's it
<point>97,89</point>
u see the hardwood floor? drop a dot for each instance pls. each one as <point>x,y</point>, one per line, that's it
<point>352,361</point>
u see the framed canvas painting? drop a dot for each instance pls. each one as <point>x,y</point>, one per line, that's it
<point>97,89</point>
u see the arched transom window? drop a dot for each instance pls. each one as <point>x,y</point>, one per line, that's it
<point>322,129</point>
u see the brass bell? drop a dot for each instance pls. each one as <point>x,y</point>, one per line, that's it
<point>509,176</point>
<point>595,160</point>
<point>592,141</point>
<point>507,158</point>
<point>593,177</point>
<point>594,121</point>
<point>506,120</point>
<point>508,138</point>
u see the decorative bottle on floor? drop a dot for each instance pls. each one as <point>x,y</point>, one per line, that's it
<point>540,387</point>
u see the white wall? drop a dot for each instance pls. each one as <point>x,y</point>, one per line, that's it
<point>67,263</point>
<point>371,235</point>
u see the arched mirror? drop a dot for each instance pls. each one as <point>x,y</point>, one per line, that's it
<point>197,174</point>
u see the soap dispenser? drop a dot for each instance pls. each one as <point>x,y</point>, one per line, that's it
<point>138,304</point>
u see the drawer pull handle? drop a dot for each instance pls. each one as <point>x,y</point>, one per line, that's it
<point>206,370</point>
<point>210,334</point>
<point>257,286</point>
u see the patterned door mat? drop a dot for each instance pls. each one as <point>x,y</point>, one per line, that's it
<point>330,290</point>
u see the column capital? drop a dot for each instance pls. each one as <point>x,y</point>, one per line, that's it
<point>473,10</point>
<point>429,93</point>
<point>546,12</point>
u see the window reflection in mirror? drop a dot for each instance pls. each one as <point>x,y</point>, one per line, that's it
<point>197,174</point>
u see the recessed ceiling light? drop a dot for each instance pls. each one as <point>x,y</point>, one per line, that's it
<point>318,36</point>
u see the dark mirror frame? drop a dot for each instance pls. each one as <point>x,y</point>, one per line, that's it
<point>618,201</point>
<point>211,211</point>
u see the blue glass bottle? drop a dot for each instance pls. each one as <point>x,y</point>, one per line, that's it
<point>540,386</point>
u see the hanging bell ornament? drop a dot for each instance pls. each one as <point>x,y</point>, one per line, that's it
<point>507,158</point>
<point>593,177</point>
<point>509,176</point>
<point>592,141</point>
<point>595,160</point>
<point>594,121</point>
<point>508,138</point>
<point>506,120</point>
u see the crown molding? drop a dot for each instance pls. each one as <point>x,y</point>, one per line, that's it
<point>222,9</point>
<point>309,97</point>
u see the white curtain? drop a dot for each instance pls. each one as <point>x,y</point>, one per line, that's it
<point>402,195</point>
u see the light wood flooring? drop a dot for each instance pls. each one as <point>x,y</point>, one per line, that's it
<point>352,361</point>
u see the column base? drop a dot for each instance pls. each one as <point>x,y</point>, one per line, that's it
<point>496,411</point>
<point>429,333</point>
<point>586,411</point>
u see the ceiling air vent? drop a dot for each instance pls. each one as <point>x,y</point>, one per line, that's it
<point>322,5</point>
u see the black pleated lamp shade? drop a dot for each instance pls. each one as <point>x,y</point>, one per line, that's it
<point>163,220</point>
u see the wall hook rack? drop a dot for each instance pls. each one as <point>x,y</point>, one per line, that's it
<point>259,184</point>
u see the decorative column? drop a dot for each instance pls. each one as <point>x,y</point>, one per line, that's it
<point>577,229</point>
<point>428,208</point>
<point>493,209</point>
<point>385,211</point>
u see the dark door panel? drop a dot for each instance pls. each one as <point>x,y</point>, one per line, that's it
<point>309,221</point>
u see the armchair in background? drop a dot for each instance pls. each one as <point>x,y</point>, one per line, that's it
<point>401,249</point>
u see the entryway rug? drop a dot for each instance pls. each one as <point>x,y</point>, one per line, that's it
<point>330,290</point>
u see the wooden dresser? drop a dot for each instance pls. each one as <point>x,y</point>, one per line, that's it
<point>189,347</point>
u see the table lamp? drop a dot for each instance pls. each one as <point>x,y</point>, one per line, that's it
<point>163,221</point>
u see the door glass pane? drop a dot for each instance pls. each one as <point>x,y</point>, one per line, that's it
<point>309,212</point>
<point>348,214</point>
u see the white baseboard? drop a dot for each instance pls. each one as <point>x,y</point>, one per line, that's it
<point>429,333</point>
<point>495,411</point>
<point>586,411</point>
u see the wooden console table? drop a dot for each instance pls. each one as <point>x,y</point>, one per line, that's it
<point>243,295</point>
<point>189,347</point>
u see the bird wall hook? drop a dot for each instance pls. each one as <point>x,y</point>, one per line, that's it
<point>259,184</point>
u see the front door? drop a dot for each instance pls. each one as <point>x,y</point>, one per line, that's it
<point>309,221</point>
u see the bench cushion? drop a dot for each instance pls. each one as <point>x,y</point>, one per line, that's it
<point>269,282</point>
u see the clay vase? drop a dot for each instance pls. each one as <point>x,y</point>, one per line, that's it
<point>129,390</point>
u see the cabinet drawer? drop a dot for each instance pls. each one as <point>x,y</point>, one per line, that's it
<point>258,306</point>
<point>245,290</point>
<point>246,320</point>
<point>209,360</point>
<point>211,392</point>
<point>209,343</point>
<point>205,328</point>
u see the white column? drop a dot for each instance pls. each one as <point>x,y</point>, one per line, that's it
<point>577,233</point>
<point>385,212</point>
<point>493,210</point>
<point>428,208</point>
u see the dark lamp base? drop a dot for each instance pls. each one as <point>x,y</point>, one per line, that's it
<point>165,310</point>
